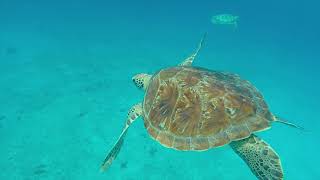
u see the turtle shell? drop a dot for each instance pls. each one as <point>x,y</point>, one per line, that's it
<point>192,108</point>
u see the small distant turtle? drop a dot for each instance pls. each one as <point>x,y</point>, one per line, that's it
<point>225,19</point>
<point>194,109</point>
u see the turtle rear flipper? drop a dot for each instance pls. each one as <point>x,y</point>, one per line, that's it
<point>260,157</point>
<point>133,114</point>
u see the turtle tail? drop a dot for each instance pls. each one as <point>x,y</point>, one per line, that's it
<point>283,121</point>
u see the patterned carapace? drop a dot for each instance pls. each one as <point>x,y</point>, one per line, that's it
<point>191,108</point>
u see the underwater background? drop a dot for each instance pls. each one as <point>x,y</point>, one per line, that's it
<point>65,83</point>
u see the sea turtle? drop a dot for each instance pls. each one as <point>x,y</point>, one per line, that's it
<point>225,19</point>
<point>191,108</point>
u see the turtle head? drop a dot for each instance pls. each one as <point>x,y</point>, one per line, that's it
<point>141,80</point>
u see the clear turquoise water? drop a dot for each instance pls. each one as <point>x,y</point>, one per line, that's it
<point>65,83</point>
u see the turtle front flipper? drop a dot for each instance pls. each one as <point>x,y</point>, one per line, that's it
<point>260,157</point>
<point>133,114</point>
<point>190,59</point>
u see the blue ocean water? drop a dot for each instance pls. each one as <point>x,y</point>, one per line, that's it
<point>65,83</point>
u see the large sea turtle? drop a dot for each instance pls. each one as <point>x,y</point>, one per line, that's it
<point>194,109</point>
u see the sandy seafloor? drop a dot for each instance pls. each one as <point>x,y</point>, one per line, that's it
<point>65,84</point>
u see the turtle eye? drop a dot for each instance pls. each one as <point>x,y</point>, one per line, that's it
<point>135,82</point>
